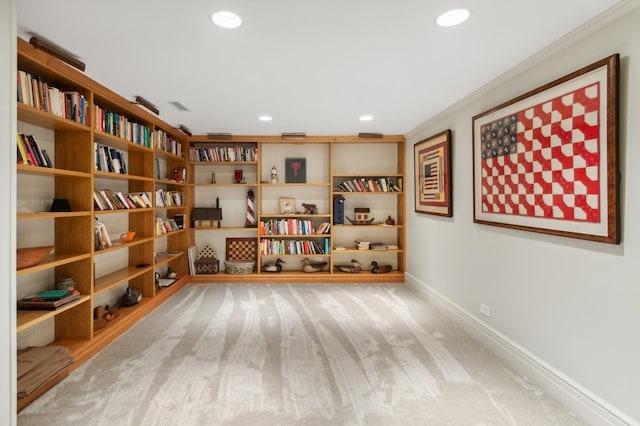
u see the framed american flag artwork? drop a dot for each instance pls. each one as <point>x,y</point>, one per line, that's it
<point>432,164</point>
<point>547,161</point>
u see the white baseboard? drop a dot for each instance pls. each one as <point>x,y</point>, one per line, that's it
<point>585,403</point>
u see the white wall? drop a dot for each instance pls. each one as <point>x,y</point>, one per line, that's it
<point>7,213</point>
<point>570,305</point>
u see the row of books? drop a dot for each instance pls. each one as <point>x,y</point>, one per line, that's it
<point>106,199</point>
<point>166,143</point>
<point>164,226</point>
<point>293,227</point>
<point>37,93</point>
<point>169,198</point>
<point>49,300</point>
<point>229,153</point>
<point>381,184</point>
<point>310,247</point>
<point>109,159</point>
<point>119,125</point>
<point>29,152</point>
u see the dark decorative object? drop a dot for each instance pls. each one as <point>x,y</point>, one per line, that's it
<point>237,176</point>
<point>179,218</point>
<point>60,205</point>
<point>310,208</point>
<point>180,174</point>
<point>130,297</point>
<point>547,161</point>
<point>432,163</point>
<point>338,210</point>
<point>295,170</point>
<point>390,221</point>
<point>57,51</point>
<point>352,267</point>
<point>379,269</point>
<point>273,266</point>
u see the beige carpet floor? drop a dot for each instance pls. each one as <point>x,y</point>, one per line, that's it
<point>295,355</point>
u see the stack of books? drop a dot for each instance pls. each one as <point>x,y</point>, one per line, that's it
<point>362,245</point>
<point>378,246</point>
<point>49,300</point>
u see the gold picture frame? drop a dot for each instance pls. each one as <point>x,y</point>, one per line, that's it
<point>287,205</point>
<point>432,164</point>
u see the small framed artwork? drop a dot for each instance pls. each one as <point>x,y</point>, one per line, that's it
<point>287,205</point>
<point>432,163</point>
<point>295,170</point>
<point>547,161</point>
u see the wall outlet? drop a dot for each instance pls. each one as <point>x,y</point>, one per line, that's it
<point>485,310</point>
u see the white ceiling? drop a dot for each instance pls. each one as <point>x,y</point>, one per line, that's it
<point>315,66</point>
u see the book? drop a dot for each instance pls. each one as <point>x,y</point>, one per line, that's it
<point>49,300</point>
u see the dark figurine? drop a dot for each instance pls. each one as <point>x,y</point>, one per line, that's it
<point>352,267</point>
<point>379,269</point>
<point>312,266</point>
<point>273,266</point>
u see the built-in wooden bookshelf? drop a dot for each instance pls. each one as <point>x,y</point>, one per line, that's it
<point>151,157</point>
<point>330,161</point>
<point>74,119</point>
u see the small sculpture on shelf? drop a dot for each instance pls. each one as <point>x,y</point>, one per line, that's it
<point>273,266</point>
<point>274,175</point>
<point>310,208</point>
<point>352,267</point>
<point>309,266</point>
<point>390,221</point>
<point>362,216</point>
<point>379,269</point>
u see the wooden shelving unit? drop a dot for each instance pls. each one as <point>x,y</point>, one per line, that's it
<point>71,146</point>
<point>329,161</point>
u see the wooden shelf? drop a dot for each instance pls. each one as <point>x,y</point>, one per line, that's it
<point>53,260</point>
<point>45,119</point>
<point>52,215</point>
<point>51,171</point>
<point>29,318</point>
<point>120,176</point>
<point>163,259</point>
<point>118,277</point>
<point>117,245</point>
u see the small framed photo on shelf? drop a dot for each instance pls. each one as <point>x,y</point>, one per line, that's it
<point>295,170</point>
<point>287,205</point>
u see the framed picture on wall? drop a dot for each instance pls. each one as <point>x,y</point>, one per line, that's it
<point>432,164</point>
<point>547,161</point>
<point>295,170</point>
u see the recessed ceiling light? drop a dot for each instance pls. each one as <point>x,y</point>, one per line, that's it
<point>265,118</point>
<point>226,19</point>
<point>452,17</point>
<point>366,117</point>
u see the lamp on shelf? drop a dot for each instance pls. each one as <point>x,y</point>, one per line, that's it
<point>370,135</point>
<point>54,50</point>
<point>219,136</point>
<point>148,105</point>
<point>294,136</point>
<point>184,129</point>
